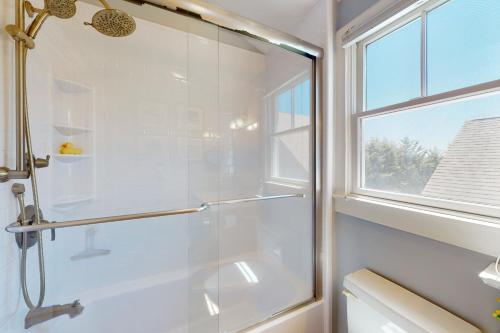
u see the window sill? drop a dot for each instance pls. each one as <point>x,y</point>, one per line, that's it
<point>466,231</point>
<point>284,184</point>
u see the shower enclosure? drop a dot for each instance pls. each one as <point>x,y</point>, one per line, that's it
<point>181,114</point>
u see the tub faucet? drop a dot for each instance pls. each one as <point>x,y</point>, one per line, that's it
<point>39,315</point>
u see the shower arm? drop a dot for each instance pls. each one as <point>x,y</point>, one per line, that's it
<point>17,227</point>
<point>105,4</point>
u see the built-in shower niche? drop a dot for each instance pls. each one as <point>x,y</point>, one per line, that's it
<point>73,121</point>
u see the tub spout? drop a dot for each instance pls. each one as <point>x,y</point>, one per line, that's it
<point>40,315</point>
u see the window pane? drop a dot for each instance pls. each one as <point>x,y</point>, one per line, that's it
<point>463,44</point>
<point>291,154</point>
<point>449,151</point>
<point>302,103</point>
<point>393,67</point>
<point>284,111</point>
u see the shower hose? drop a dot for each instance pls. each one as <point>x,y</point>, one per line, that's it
<point>36,204</point>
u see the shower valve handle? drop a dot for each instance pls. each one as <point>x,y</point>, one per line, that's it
<point>42,162</point>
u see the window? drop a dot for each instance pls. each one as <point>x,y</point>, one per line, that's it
<point>289,132</point>
<point>395,71</point>
<point>425,109</point>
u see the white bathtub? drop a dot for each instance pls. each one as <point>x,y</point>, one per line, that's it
<point>175,303</point>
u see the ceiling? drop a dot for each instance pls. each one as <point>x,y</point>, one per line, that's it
<point>283,15</point>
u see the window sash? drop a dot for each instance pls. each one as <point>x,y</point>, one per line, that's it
<point>360,46</point>
<point>357,164</point>
<point>355,107</point>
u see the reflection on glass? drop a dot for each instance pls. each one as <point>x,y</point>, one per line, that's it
<point>393,67</point>
<point>291,155</point>
<point>284,111</point>
<point>302,104</point>
<point>247,272</point>
<point>463,44</point>
<point>447,151</point>
<point>212,307</point>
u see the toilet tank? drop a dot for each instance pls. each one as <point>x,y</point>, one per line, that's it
<point>377,305</point>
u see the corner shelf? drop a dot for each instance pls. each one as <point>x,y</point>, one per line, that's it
<point>73,120</point>
<point>72,130</point>
<point>68,158</point>
<point>69,86</point>
<point>71,201</point>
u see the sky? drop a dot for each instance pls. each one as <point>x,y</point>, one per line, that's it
<point>463,49</point>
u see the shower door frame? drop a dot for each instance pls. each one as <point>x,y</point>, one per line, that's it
<point>214,15</point>
<point>232,22</point>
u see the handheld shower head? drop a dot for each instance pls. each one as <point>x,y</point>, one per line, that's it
<point>63,9</point>
<point>113,23</point>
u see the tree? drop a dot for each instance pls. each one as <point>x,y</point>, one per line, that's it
<point>404,166</point>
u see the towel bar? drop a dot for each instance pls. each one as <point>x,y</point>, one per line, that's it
<point>17,227</point>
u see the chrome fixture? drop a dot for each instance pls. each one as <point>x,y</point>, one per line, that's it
<point>18,227</point>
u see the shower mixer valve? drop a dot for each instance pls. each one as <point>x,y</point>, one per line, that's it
<point>27,216</point>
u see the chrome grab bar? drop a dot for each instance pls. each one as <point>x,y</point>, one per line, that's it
<point>17,227</point>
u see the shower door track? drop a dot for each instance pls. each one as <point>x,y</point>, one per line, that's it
<point>19,227</point>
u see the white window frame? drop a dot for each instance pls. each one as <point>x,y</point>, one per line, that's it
<point>272,156</point>
<point>475,227</point>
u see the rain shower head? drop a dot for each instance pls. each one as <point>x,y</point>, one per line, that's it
<point>113,23</point>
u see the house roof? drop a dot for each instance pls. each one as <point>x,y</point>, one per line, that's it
<point>470,169</point>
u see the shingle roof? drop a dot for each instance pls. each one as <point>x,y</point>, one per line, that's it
<point>470,169</point>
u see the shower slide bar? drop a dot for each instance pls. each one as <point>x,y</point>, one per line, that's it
<point>17,227</point>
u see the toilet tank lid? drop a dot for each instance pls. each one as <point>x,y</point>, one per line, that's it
<point>406,309</point>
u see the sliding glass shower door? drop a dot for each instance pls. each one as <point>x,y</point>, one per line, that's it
<point>179,114</point>
<point>265,247</point>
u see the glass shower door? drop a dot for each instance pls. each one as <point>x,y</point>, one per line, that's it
<point>265,247</point>
<point>144,111</point>
<point>180,113</point>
